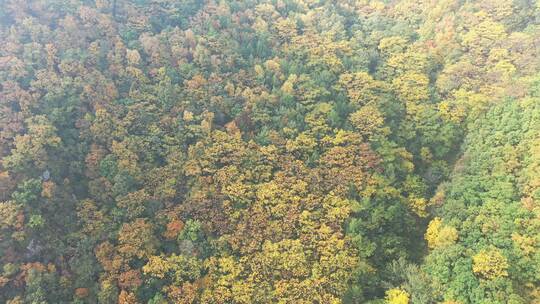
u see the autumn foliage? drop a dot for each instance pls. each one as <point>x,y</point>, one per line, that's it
<point>288,151</point>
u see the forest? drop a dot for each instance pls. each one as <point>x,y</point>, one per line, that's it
<point>270,151</point>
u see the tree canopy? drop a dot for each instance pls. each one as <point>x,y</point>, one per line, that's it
<point>284,151</point>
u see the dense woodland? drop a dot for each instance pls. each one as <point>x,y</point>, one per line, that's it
<point>269,151</point>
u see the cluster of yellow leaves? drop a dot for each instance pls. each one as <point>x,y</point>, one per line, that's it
<point>127,159</point>
<point>105,127</point>
<point>500,62</point>
<point>8,214</point>
<point>368,121</point>
<point>224,274</point>
<point>180,268</point>
<point>411,87</point>
<point>490,264</point>
<point>33,145</point>
<point>439,235</point>
<point>528,245</point>
<point>287,239</point>
<point>157,267</point>
<point>483,34</point>
<point>302,145</point>
<point>322,49</point>
<point>464,104</point>
<point>288,85</point>
<point>232,182</point>
<point>392,45</point>
<point>419,206</point>
<point>346,161</point>
<point>317,119</point>
<point>361,87</point>
<point>93,220</point>
<point>182,273</point>
<point>16,300</point>
<point>410,61</point>
<point>397,296</point>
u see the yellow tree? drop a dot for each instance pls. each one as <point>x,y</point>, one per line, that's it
<point>490,264</point>
<point>440,235</point>
<point>33,146</point>
<point>361,88</point>
<point>397,296</point>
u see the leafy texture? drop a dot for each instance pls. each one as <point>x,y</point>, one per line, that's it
<point>258,151</point>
